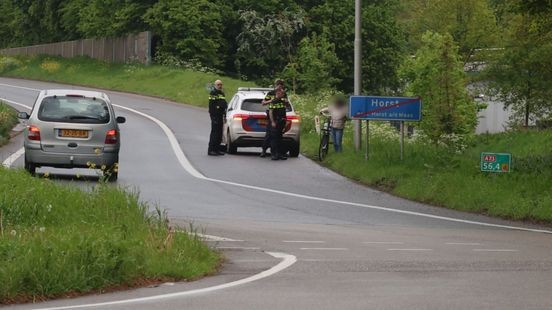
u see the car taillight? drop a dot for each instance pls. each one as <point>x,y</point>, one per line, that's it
<point>239,117</point>
<point>111,137</point>
<point>294,118</point>
<point>34,133</point>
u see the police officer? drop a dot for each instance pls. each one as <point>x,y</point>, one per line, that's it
<point>270,96</point>
<point>217,110</point>
<point>277,120</point>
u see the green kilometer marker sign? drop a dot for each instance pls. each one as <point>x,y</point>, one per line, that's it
<point>496,162</point>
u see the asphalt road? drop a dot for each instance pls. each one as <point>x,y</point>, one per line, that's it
<point>355,248</point>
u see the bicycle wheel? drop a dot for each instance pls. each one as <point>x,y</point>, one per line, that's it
<point>323,148</point>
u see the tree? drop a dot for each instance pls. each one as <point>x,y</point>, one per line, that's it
<point>383,41</point>
<point>267,42</point>
<point>522,73</point>
<point>189,29</point>
<point>315,65</point>
<point>99,18</point>
<point>436,74</point>
<point>472,23</point>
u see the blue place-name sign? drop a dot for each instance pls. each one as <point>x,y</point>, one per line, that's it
<point>385,108</point>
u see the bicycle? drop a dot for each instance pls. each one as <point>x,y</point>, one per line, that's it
<point>325,131</point>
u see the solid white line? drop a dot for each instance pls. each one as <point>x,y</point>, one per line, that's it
<point>300,241</point>
<point>216,238</point>
<point>236,248</point>
<point>16,103</point>
<point>382,242</point>
<point>287,261</point>
<point>185,163</point>
<point>409,249</point>
<point>13,158</point>
<point>21,87</point>
<point>494,250</point>
<point>324,249</point>
<point>462,243</point>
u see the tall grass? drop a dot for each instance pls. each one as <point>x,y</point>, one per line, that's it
<point>171,83</point>
<point>55,240</point>
<point>8,119</point>
<point>434,175</point>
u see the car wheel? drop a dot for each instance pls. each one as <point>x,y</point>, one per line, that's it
<point>30,167</point>
<point>231,148</point>
<point>295,149</point>
<point>113,176</point>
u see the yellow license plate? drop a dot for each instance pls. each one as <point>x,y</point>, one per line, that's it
<point>73,133</point>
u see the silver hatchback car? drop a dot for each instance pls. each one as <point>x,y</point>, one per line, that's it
<point>72,129</point>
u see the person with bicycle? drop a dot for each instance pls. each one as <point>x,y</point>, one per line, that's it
<point>337,111</point>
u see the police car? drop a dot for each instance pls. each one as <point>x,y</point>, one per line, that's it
<point>246,122</point>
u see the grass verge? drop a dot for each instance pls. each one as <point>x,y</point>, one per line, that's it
<point>432,175</point>
<point>171,83</point>
<point>8,119</point>
<point>60,241</point>
<point>428,174</point>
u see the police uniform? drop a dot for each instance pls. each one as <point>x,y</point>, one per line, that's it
<point>217,110</point>
<point>267,140</point>
<point>278,109</point>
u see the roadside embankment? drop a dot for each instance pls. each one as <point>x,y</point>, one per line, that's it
<point>8,119</point>
<point>430,173</point>
<point>61,241</point>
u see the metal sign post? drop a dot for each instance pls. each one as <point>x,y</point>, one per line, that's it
<point>357,70</point>
<point>402,140</point>
<point>366,154</point>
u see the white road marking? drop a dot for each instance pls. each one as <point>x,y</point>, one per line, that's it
<point>324,249</point>
<point>13,158</point>
<point>185,163</point>
<point>409,249</point>
<point>216,238</point>
<point>287,261</point>
<point>494,250</point>
<point>382,242</point>
<point>462,243</point>
<point>20,87</point>
<point>236,248</point>
<point>301,241</point>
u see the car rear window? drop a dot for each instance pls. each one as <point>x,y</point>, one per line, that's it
<point>72,109</point>
<point>255,105</point>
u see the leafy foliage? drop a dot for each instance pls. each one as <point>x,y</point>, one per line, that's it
<point>189,29</point>
<point>267,42</point>
<point>522,73</point>
<point>316,65</point>
<point>436,74</point>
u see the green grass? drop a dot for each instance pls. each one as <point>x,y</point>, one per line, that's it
<point>432,175</point>
<point>174,84</point>
<point>428,174</point>
<point>57,240</point>
<point>8,119</point>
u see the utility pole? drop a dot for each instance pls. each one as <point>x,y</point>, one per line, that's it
<point>358,74</point>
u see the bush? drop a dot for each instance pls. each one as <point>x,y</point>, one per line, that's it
<point>8,119</point>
